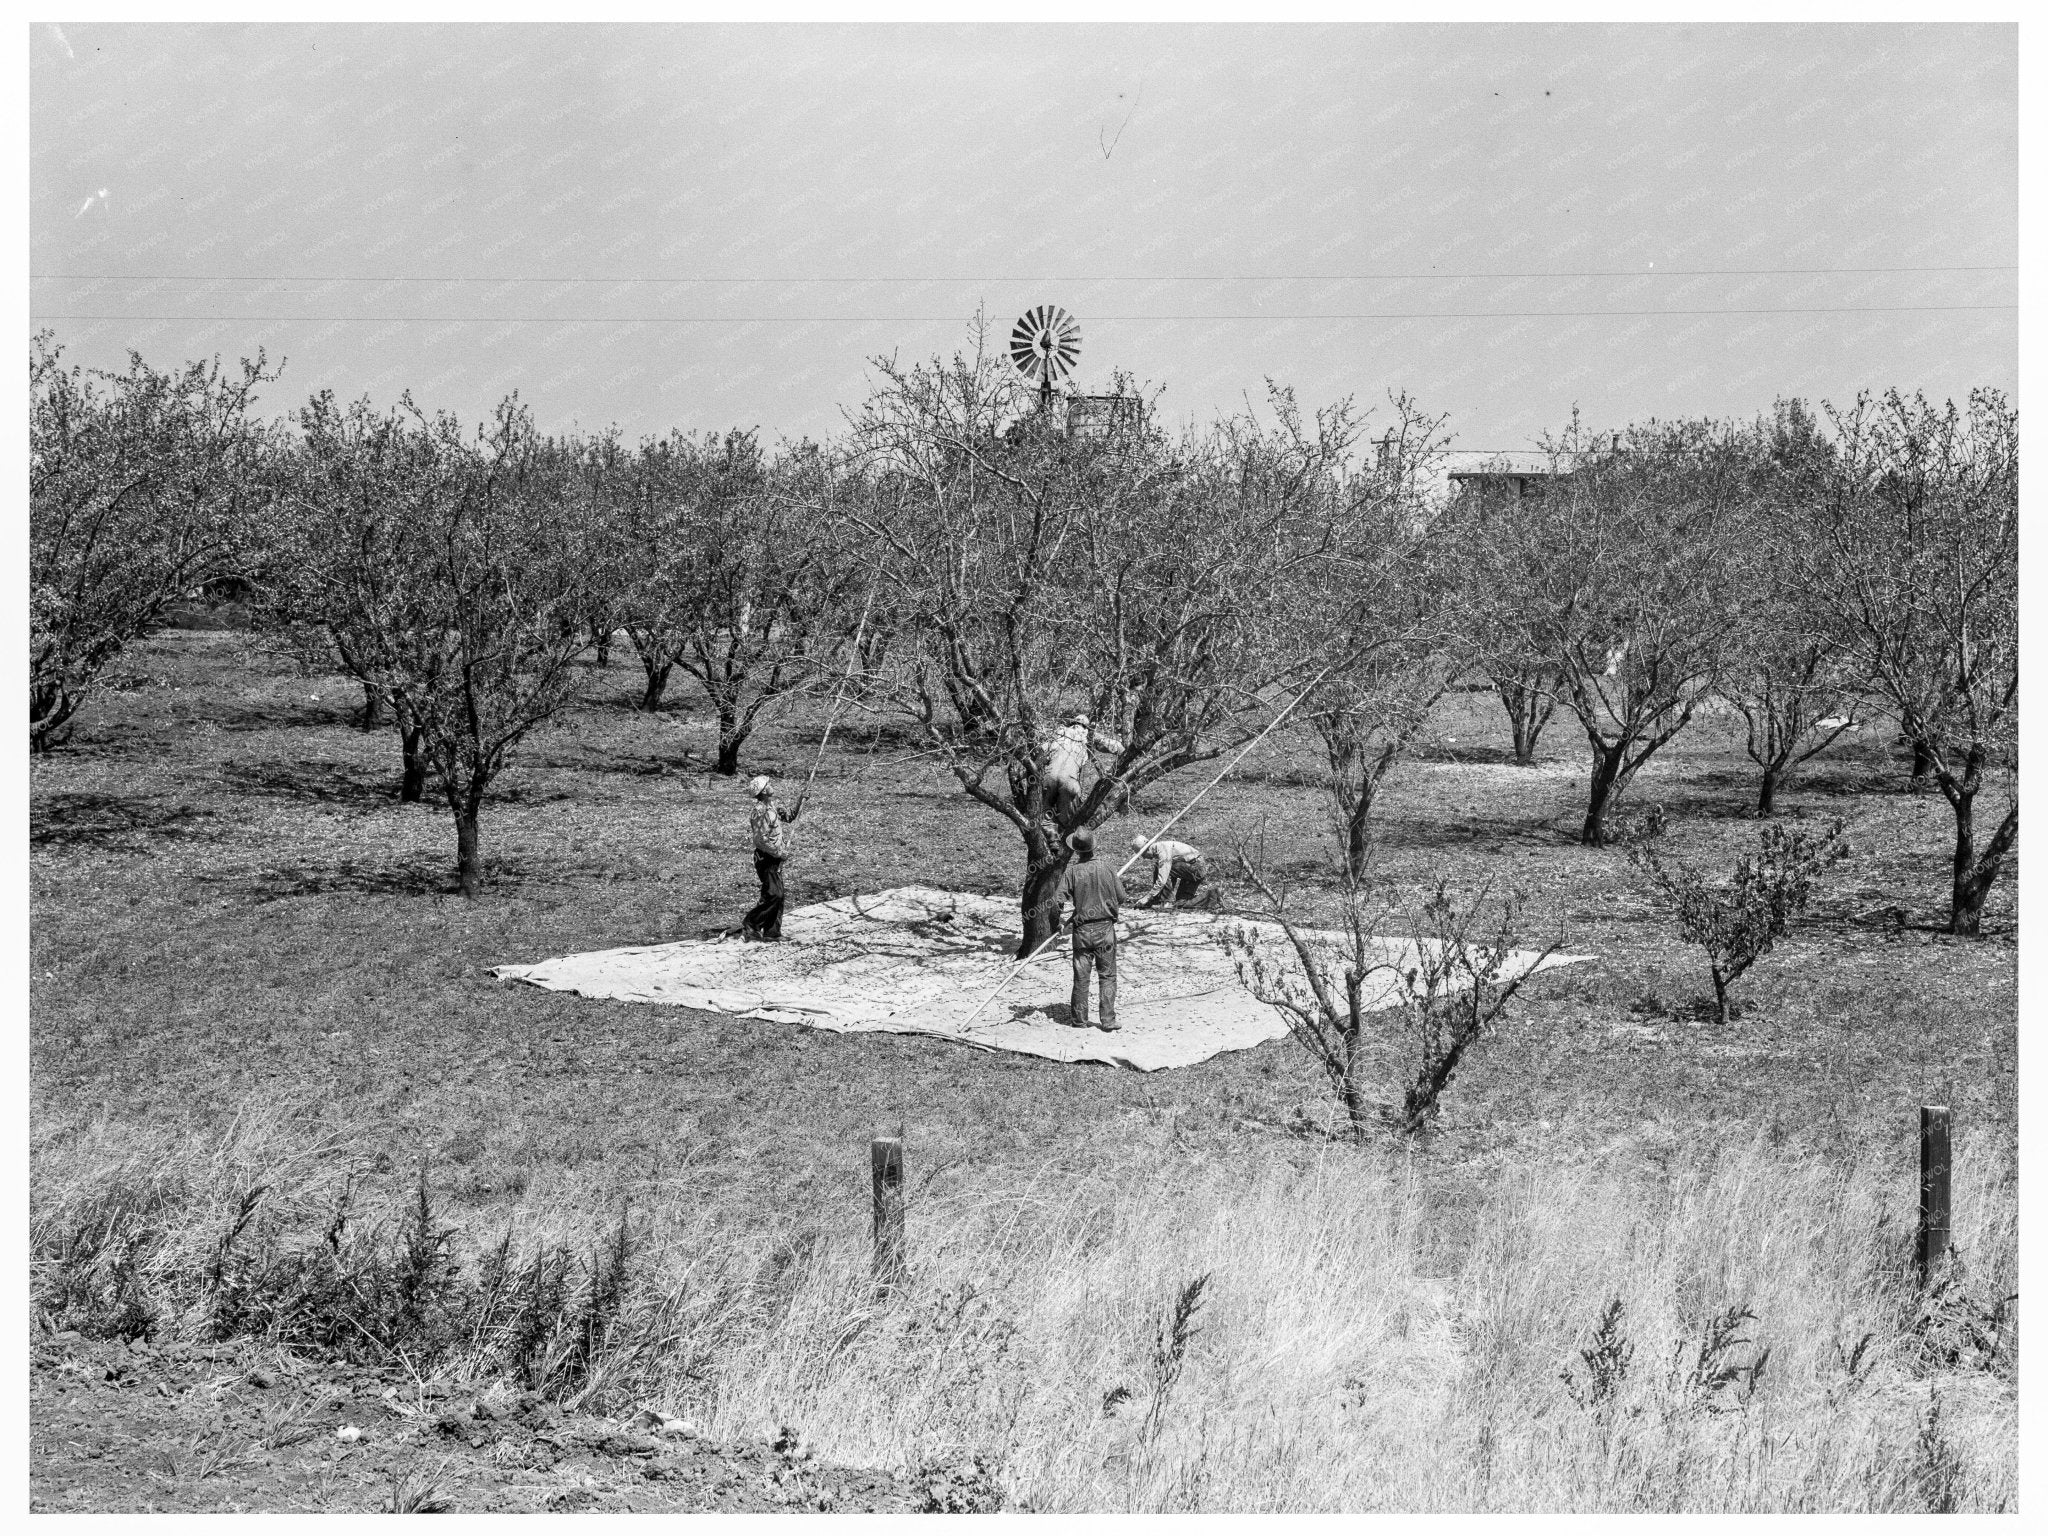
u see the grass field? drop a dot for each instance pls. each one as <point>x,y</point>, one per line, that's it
<point>248,966</point>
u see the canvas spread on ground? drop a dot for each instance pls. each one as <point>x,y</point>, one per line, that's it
<point>914,960</point>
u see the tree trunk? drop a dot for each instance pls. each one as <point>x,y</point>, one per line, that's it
<point>657,685</point>
<point>1767,794</point>
<point>1975,873</point>
<point>1528,712</point>
<point>469,855</point>
<point>1041,874</point>
<point>603,637</point>
<point>1720,997</point>
<point>731,737</point>
<point>1600,799</point>
<point>1923,765</point>
<point>412,788</point>
<point>373,713</point>
<point>1358,832</point>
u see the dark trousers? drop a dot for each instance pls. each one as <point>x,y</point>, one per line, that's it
<point>1184,883</point>
<point>765,920</point>
<point>1094,949</point>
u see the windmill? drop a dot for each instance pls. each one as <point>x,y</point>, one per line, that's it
<point>1045,344</point>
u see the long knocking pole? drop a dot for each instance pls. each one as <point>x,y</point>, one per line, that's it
<point>1046,942</point>
<point>839,698</point>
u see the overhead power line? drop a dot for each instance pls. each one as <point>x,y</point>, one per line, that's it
<point>1310,277</point>
<point>1490,314</point>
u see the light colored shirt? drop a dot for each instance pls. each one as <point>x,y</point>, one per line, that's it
<point>1068,750</point>
<point>1164,855</point>
<point>769,822</point>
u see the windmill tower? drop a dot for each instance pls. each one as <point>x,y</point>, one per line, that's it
<point>1045,344</point>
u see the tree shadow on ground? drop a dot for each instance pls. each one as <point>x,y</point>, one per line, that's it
<point>420,874</point>
<point>81,819</point>
<point>1471,756</point>
<point>1481,833</point>
<point>286,718</point>
<point>314,779</point>
<point>645,765</point>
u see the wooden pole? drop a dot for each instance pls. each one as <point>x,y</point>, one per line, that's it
<point>839,698</point>
<point>1934,1165</point>
<point>885,1156</point>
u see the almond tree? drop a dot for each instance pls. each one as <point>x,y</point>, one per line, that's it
<point>1144,581</point>
<point>1384,602</point>
<point>737,576</point>
<point>1788,673</point>
<point>650,527</point>
<point>454,568</point>
<point>1619,578</point>
<point>142,486</point>
<point>770,582</point>
<point>1525,681</point>
<point>1915,562</point>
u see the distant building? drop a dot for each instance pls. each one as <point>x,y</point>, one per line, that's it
<point>1102,415</point>
<point>1501,479</point>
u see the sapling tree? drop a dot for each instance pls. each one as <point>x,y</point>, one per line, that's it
<point>1737,918</point>
<point>1464,975</point>
<point>1350,997</point>
<point>1329,985</point>
<point>142,486</point>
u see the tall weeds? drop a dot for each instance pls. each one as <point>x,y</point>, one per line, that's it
<point>1741,1334</point>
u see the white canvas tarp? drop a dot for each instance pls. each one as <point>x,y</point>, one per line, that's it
<point>917,961</point>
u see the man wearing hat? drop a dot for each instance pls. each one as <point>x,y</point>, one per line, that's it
<point>769,823</point>
<point>1097,896</point>
<point>1065,755</point>
<point>1178,870</point>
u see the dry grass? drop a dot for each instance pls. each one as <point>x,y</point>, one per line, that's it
<point>231,911</point>
<point>1280,1337</point>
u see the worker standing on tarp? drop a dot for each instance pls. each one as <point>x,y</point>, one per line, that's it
<point>1178,871</point>
<point>1097,896</point>
<point>769,823</point>
<point>1065,755</point>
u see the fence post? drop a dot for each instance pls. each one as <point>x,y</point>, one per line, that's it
<point>885,1154</point>
<point>1933,1235</point>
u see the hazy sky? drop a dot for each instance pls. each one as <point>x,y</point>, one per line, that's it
<point>708,226</point>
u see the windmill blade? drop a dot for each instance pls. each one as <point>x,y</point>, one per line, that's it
<point>1045,343</point>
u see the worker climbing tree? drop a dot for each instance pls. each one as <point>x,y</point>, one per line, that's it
<point>1131,576</point>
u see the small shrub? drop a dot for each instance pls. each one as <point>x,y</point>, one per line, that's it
<point>1454,990</point>
<point>1736,919</point>
<point>1457,990</point>
<point>1606,1360</point>
<point>1720,1377</point>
